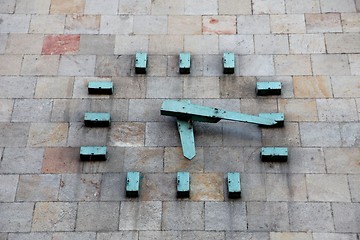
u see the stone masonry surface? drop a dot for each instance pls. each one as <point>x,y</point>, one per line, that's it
<point>51,49</point>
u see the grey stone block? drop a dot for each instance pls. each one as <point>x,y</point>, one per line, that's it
<point>207,134</point>
<point>140,215</point>
<point>79,135</point>
<point>46,65</point>
<point>337,110</point>
<point>29,236</point>
<point>354,181</point>
<point>349,134</point>
<point>44,187</point>
<point>346,217</point>
<point>144,159</point>
<point>14,134</point>
<point>247,235</point>
<point>129,87</point>
<point>8,187</point>
<point>223,159</point>
<point>54,217</point>
<point>160,87</point>
<point>6,109</point>
<point>77,65</point>
<point>145,110</point>
<point>334,236</point>
<point>154,235</point>
<point>121,65</point>
<point>7,6</point>
<point>127,134</point>
<point>48,134</point>
<point>229,216</point>
<point>16,217</point>
<point>253,187</point>
<point>124,235</point>
<point>342,160</point>
<point>183,216</point>
<point>113,187</point>
<point>80,187</point>
<point>241,134</point>
<point>69,110</point>
<point>54,87</point>
<point>97,44</point>
<point>98,216</point>
<point>201,87</point>
<point>268,216</point>
<point>22,160</point>
<point>114,162</point>
<point>213,65</point>
<point>195,235</point>
<point>286,187</point>
<point>158,187</point>
<point>237,87</point>
<point>310,216</point>
<point>157,66</point>
<point>118,108</point>
<point>167,130</point>
<point>320,134</point>
<point>174,160</point>
<point>15,23</point>
<point>32,110</point>
<point>287,136</point>
<point>74,235</point>
<point>306,160</point>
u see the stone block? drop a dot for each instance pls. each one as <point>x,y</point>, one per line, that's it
<point>42,187</point>
<point>323,23</point>
<point>7,6</point>
<point>93,7</point>
<point>271,44</point>
<point>82,24</point>
<point>183,216</point>
<point>350,22</point>
<point>48,134</point>
<point>3,40</point>
<point>201,7</point>
<point>268,216</point>
<point>327,188</point>
<point>312,87</point>
<point>291,23</point>
<point>127,134</point>
<point>54,216</point>
<point>79,135</point>
<point>10,64</point>
<point>113,164</point>
<point>14,134</point>
<point>160,87</point>
<point>256,106</point>
<point>19,43</point>
<point>125,235</point>
<point>77,65</point>
<point>144,159</point>
<point>109,65</point>
<point>207,187</point>
<point>256,65</point>
<point>80,187</point>
<point>337,6</point>
<point>29,236</point>
<point>184,25</point>
<point>253,24</point>
<point>21,160</point>
<point>68,7</point>
<point>61,44</point>
<point>219,25</point>
<point>346,217</point>
<point>61,160</point>
<point>307,6</point>
<point>169,7</point>
<point>354,60</point>
<point>287,136</point>
<point>207,87</point>
<point>14,23</point>
<point>246,235</point>
<point>6,109</point>
<point>98,216</point>
<point>306,43</point>
<point>286,187</point>
<point>135,7</point>
<point>342,43</point>
<point>238,44</point>
<point>207,134</point>
<point>112,187</point>
<point>48,24</point>
<point>69,110</point>
<point>152,235</point>
<point>174,160</point>
<point>74,235</point>
<point>160,185</point>
<point>235,7</point>
<point>309,216</point>
<point>143,110</point>
<point>117,107</point>
<point>16,217</point>
<point>293,65</point>
<point>97,44</point>
<point>147,24</point>
<point>36,7</point>
<point>298,110</point>
<point>334,236</point>
<point>237,134</point>
<point>196,68</point>
<point>220,216</point>
<point>212,65</point>
<point>290,236</point>
<point>234,159</point>
<point>140,215</point>
<point>268,7</point>
<point>320,134</point>
<point>17,87</point>
<point>131,44</point>
<point>201,44</point>
<point>337,110</point>
<point>8,187</point>
<point>330,64</point>
<point>40,65</point>
<point>54,87</point>
<point>114,24</point>
<point>306,160</point>
<point>348,163</point>
<point>253,187</point>
<point>163,44</point>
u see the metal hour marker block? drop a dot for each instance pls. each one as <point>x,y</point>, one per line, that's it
<point>93,153</point>
<point>140,63</point>
<point>183,185</point>
<point>268,88</point>
<point>184,63</point>
<point>229,63</point>
<point>100,88</point>
<point>97,119</point>
<point>278,117</point>
<point>234,187</point>
<point>132,184</point>
<point>274,154</point>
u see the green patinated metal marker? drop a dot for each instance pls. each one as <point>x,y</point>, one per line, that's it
<point>234,186</point>
<point>132,184</point>
<point>186,113</point>
<point>183,184</point>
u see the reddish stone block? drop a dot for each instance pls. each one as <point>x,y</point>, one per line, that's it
<point>219,25</point>
<point>61,160</point>
<point>60,44</point>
